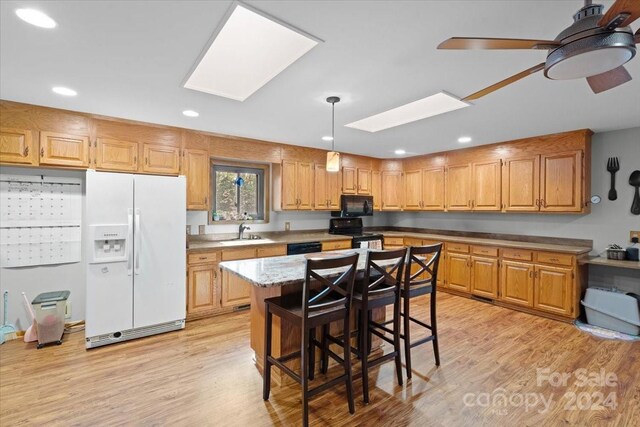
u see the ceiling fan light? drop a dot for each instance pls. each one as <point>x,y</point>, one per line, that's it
<point>589,63</point>
<point>333,161</point>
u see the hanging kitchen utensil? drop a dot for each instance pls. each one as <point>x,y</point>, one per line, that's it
<point>634,180</point>
<point>613,166</point>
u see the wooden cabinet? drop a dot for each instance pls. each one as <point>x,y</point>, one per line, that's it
<point>326,189</point>
<point>561,182</point>
<point>364,181</point>
<point>413,190</point>
<point>458,271</point>
<point>349,180</point>
<point>297,191</point>
<point>424,190</point>
<point>486,186</point>
<point>270,251</point>
<point>484,277</point>
<point>393,242</point>
<point>58,149</point>
<point>196,168</point>
<point>553,289</point>
<point>459,187</point>
<point>336,245</point>
<point>235,291</point>
<point>16,146</point>
<point>201,289</point>
<point>516,283</point>
<point>376,190</point>
<point>161,159</point>
<point>116,155</point>
<point>521,184</point>
<point>391,190</point>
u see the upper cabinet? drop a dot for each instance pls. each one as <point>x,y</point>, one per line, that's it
<point>327,189</point>
<point>376,190</point>
<point>391,183</point>
<point>521,184</point>
<point>486,186</point>
<point>356,180</point>
<point>424,189</point>
<point>195,166</point>
<point>459,187</point>
<point>116,155</point>
<point>297,185</point>
<point>364,181</point>
<point>161,159</point>
<point>58,149</point>
<point>16,146</point>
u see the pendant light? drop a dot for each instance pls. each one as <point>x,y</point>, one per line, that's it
<point>333,157</point>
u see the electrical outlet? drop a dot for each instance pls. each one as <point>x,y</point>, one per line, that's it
<point>633,234</point>
<point>287,226</point>
<point>67,310</point>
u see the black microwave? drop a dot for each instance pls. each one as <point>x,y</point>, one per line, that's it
<point>353,206</point>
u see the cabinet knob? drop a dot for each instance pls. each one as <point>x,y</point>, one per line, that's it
<point>26,151</point>
<point>41,151</point>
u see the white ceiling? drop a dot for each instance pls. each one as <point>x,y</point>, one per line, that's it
<point>128,59</point>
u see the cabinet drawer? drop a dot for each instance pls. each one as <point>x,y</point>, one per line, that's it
<point>204,257</point>
<point>458,247</point>
<point>393,241</point>
<point>341,244</point>
<point>411,241</point>
<point>551,258</point>
<point>485,250</point>
<point>271,251</point>
<point>234,254</point>
<point>519,254</point>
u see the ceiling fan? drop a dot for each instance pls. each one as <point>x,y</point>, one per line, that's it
<point>595,46</point>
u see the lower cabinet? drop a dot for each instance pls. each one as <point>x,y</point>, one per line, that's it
<point>553,289</point>
<point>458,272</point>
<point>202,289</point>
<point>516,283</point>
<point>336,245</point>
<point>484,277</point>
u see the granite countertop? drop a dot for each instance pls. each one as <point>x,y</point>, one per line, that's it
<point>285,270</point>
<point>199,243</point>
<point>575,250</point>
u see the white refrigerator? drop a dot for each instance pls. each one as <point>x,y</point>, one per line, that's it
<point>136,266</point>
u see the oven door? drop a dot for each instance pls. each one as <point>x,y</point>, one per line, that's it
<point>356,205</point>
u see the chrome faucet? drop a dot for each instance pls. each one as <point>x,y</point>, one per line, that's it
<point>241,231</point>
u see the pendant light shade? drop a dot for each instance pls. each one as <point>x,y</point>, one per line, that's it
<point>333,157</point>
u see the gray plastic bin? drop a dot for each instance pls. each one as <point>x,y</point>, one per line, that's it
<point>49,309</point>
<point>612,310</point>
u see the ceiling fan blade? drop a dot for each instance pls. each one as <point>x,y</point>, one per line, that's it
<point>614,17</point>
<point>505,82</point>
<point>491,43</point>
<point>609,80</point>
<point>637,36</point>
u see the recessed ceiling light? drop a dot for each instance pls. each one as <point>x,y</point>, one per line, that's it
<point>421,109</point>
<point>64,91</point>
<point>190,113</point>
<point>464,139</point>
<point>247,52</point>
<point>35,17</point>
<point>327,138</point>
<point>400,152</point>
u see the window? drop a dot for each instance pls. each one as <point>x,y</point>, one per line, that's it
<point>238,192</point>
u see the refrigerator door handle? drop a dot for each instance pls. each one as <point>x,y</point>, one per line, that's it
<point>136,246</point>
<point>129,242</point>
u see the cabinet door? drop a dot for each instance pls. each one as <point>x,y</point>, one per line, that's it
<point>433,189</point>
<point>116,155</point>
<point>458,272</point>
<point>201,289</point>
<point>235,291</point>
<point>487,183</point>
<point>516,283</point>
<point>333,190</point>
<point>304,185</point>
<point>553,289</point>
<point>349,180</point>
<point>521,184</point>
<point>459,188</point>
<point>560,182</point>
<point>364,181</point>
<point>16,146</point>
<point>376,189</point>
<point>161,159</point>
<point>289,177</point>
<point>196,169</point>
<point>57,149</point>
<point>413,190</point>
<point>484,277</point>
<point>320,198</point>
<point>391,191</point>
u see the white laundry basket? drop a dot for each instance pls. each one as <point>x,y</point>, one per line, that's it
<point>612,310</point>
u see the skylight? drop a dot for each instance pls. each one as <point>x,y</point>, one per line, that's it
<point>246,53</point>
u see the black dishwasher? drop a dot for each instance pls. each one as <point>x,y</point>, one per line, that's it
<point>303,248</point>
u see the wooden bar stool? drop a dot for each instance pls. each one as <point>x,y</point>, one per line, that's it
<point>421,282</point>
<point>323,300</point>
<point>378,287</point>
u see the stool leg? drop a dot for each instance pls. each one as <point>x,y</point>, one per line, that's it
<point>364,356</point>
<point>266,380</point>
<point>347,366</point>
<point>396,337</point>
<point>304,376</point>
<point>312,354</point>
<point>324,363</point>
<point>434,327</point>
<point>407,335</point>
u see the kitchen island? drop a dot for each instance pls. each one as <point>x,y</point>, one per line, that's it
<point>277,276</point>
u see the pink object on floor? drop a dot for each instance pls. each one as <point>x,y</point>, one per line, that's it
<point>31,334</point>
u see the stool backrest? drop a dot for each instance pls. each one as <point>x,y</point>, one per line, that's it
<point>426,258</point>
<point>383,274</point>
<point>335,289</point>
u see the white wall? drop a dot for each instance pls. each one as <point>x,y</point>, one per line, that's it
<point>35,280</point>
<point>609,222</point>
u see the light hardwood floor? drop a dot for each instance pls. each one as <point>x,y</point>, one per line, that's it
<point>205,375</point>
